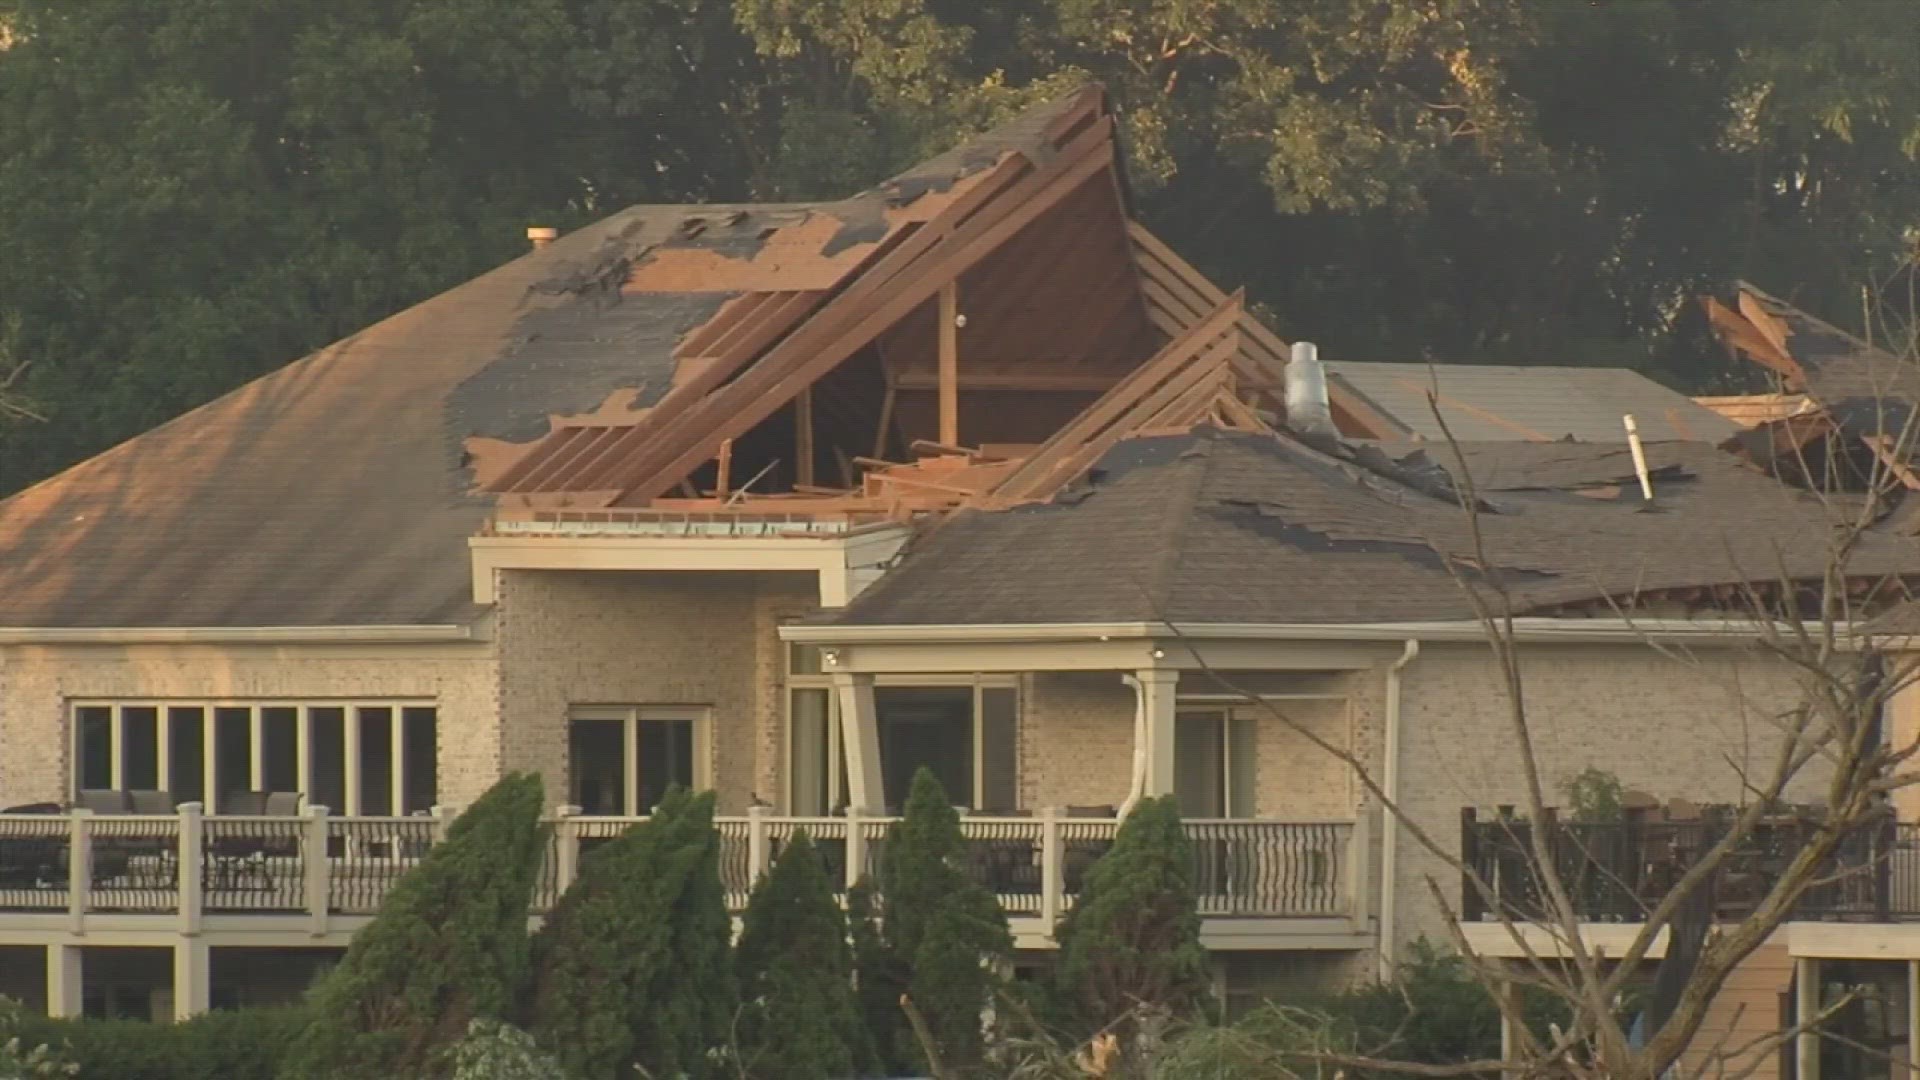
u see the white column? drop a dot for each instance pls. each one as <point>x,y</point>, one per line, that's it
<point>350,755</point>
<point>192,874</point>
<point>163,748</point>
<point>398,756</point>
<point>117,750</point>
<point>630,771</point>
<point>1158,696</point>
<point>303,752</point>
<point>209,760</point>
<point>1806,1045</point>
<point>860,738</point>
<point>192,977</point>
<point>257,748</point>
<point>65,977</point>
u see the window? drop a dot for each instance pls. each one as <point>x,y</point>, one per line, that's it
<point>622,759</point>
<point>1213,764</point>
<point>966,732</point>
<point>372,759</point>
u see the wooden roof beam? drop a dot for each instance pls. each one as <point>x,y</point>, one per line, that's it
<point>953,246</point>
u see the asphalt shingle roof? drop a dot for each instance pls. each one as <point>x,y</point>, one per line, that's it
<point>1218,527</point>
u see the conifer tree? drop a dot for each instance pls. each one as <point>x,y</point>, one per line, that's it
<point>448,946</point>
<point>1132,941</point>
<point>879,983</point>
<point>800,1019</point>
<point>632,966</point>
<point>943,930</point>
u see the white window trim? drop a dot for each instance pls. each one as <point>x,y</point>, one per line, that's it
<point>256,723</point>
<point>630,717</point>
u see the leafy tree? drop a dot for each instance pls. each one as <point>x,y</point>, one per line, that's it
<point>943,930</point>
<point>496,1051</point>
<point>1132,941</point>
<point>449,945</point>
<point>632,966</point>
<point>800,1020</point>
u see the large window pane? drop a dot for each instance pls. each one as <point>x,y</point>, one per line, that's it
<point>422,764</point>
<point>999,749</point>
<point>666,758</point>
<point>233,751</point>
<point>186,754</point>
<point>1199,764</point>
<point>327,745</point>
<point>93,749</point>
<point>139,748</point>
<point>811,750</point>
<point>597,765</point>
<point>1243,771</point>
<point>280,754</point>
<point>376,761</point>
<point>930,727</point>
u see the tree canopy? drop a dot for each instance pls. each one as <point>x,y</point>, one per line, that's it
<point>193,192</point>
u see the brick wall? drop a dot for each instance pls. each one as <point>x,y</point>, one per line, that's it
<point>38,682</point>
<point>631,638</point>
<point>1076,740</point>
<point>1665,727</point>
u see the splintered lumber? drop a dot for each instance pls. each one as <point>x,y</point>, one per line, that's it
<point>1151,386</point>
<point>971,228</point>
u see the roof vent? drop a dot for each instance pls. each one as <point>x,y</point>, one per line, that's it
<point>542,235</point>
<point>1307,410</point>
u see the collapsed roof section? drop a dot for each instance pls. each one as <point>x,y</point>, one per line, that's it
<point>1844,418</point>
<point>974,332</point>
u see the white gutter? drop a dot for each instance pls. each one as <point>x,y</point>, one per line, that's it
<point>1389,823</point>
<point>1137,786</point>
<point>232,635</point>
<point>1532,628</point>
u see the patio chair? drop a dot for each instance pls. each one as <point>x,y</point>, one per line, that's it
<point>237,855</point>
<point>34,861</point>
<point>149,803</point>
<point>105,801</point>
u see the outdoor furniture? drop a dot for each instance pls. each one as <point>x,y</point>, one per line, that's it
<point>34,861</point>
<point>151,860</point>
<point>238,851</point>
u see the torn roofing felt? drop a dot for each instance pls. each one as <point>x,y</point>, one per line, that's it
<point>1217,527</point>
<point>339,490</point>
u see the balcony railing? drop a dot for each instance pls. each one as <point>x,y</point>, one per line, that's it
<point>318,867</point>
<point>1617,871</point>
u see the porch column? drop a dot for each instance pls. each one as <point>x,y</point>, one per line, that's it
<point>65,972</point>
<point>192,977</point>
<point>860,738</point>
<point>1158,690</point>
<point>1806,992</point>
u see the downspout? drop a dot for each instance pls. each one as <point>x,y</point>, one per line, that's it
<point>1389,824</point>
<point>1137,786</point>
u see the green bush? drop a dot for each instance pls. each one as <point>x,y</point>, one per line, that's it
<point>634,966</point>
<point>1132,941</point>
<point>800,1019</point>
<point>246,1044</point>
<point>943,930</point>
<point>449,945</point>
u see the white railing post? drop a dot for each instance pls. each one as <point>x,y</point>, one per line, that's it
<point>189,873</point>
<point>1052,881</point>
<point>566,851</point>
<point>79,868</point>
<point>442,818</point>
<point>1359,867</point>
<point>856,846</point>
<point>317,869</point>
<point>758,859</point>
